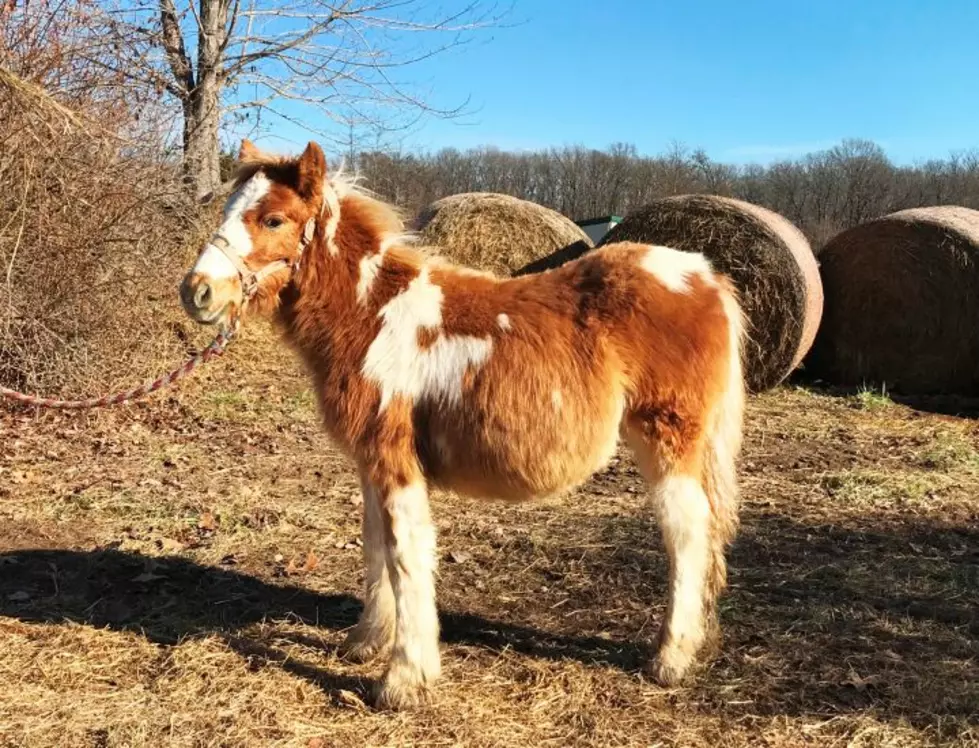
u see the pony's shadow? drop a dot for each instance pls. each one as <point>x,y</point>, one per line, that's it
<point>171,598</point>
<point>809,601</point>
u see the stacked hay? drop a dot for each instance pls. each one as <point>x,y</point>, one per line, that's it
<point>902,303</point>
<point>494,232</point>
<point>768,259</point>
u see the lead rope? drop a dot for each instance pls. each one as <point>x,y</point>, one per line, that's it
<point>216,348</point>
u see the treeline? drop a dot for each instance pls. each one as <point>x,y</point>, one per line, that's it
<point>822,193</point>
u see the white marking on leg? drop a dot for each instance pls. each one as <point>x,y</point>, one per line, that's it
<point>503,321</point>
<point>397,365</point>
<point>684,515</point>
<point>375,629</point>
<point>213,263</point>
<point>672,267</point>
<point>411,558</point>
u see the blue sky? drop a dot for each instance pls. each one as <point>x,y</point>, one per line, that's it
<point>748,81</point>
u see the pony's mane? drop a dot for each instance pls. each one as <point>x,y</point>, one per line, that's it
<point>382,214</point>
<point>280,168</point>
<point>385,220</point>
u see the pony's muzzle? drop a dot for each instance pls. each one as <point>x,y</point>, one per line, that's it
<point>199,298</point>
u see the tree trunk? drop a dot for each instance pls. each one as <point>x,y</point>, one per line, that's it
<point>202,105</point>
<point>202,119</point>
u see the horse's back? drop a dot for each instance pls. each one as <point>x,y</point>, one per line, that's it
<point>626,328</point>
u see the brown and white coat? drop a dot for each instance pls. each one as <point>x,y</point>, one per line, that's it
<point>433,375</point>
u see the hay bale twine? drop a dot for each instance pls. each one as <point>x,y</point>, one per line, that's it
<point>767,258</point>
<point>902,303</point>
<point>499,233</point>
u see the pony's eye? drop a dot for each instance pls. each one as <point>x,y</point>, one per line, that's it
<point>273,222</point>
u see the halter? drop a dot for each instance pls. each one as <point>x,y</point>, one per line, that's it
<point>252,279</point>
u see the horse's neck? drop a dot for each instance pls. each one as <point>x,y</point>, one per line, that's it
<point>325,313</point>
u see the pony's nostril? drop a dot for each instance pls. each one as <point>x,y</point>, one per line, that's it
<point>202,298</point>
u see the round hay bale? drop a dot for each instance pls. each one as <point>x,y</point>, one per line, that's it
<point>767,258</point>
<point>902,303</point>
<point>499,233</point>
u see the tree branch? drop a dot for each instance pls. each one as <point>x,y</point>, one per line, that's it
<point>173,45</point>
<point>312,32</point>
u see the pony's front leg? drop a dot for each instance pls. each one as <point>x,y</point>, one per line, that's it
<point>409,540</point>
<point>374,632</point>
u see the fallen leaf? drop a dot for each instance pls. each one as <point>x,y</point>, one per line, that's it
<point>169,545</point>
<point>311,562</point>
<point>459,557</point>
<point>208,522</point>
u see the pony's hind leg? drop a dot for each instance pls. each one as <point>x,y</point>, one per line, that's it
<point>374,633</point>
<point>684,513</point>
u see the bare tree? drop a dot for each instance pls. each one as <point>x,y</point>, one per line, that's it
<point>328,65</point>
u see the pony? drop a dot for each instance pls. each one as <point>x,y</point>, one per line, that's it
<point>430,375</point>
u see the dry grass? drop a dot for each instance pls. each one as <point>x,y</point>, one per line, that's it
<point>157,588</point>
<point>499,233</point>
<point>95,231</point>
<point>768,259</point>
<point>901,293</point>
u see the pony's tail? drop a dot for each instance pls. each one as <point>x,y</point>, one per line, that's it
<point>724,443</point>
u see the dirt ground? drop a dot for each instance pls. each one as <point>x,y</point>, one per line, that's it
<point>179,573</point>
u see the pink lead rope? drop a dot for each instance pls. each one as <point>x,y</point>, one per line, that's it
<point>216,348</point>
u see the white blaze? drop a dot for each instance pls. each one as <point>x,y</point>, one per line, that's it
<point>212,262</point>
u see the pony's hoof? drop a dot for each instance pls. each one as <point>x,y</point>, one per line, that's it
<point>399,694</point>
<point>669,667</point>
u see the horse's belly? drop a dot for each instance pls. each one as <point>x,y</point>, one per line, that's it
<point>518,456</point>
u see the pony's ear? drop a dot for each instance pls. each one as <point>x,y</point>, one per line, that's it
<point>248,151</point>
<point>312,171</point>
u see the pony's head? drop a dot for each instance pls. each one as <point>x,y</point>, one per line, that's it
<point>271,215</point>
